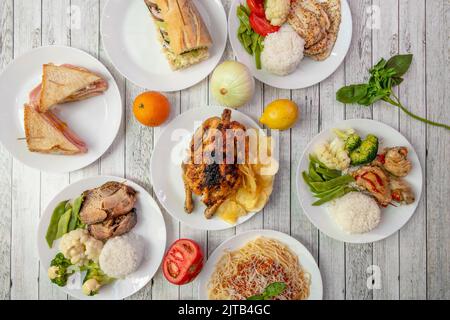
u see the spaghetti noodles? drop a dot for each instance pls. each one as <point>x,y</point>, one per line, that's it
<point>248,271</point>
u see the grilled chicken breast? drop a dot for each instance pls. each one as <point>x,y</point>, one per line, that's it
<point>376,182</point>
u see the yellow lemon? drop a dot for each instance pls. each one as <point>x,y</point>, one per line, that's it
<point>280,114</point>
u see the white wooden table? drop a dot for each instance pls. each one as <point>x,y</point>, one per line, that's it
<point>414,263</point>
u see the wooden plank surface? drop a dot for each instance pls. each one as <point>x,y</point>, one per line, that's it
<point>25,181</point>
<point>414,263</point>
<point>413,236</point>
<point>438,142</point>
<point>384,45</point>
<point>55,31</point>
<point>358,61</point>
<point>6,56</point>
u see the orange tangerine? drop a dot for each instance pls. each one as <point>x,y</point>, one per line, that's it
<point>151,108</point>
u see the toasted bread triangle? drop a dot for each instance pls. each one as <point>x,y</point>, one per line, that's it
<point>43,137</point>
<point>59,83</point>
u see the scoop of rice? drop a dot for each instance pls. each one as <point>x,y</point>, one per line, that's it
<point>283,51</point>
<point>356,213</point>
<point>122,255</point>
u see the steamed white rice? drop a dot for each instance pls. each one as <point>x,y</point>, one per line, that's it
<point>122,255</point>
<point>283,51</point>
<point>356,213</point>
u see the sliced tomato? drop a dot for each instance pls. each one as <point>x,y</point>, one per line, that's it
<point>183,262</point>
<point>257,6</point>
<point>261,25</point>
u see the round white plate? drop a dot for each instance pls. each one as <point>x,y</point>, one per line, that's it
<point>165,168</point>
<point>392,218</point>
<point>304,256</point>
<point>150,227</point>
<point>87,118</point>
<point>309,72</point>
<point>131,41</point>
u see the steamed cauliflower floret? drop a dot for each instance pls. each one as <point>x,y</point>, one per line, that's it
<point>277,11</point>
<point>79,247</point>
<point>91,287</point>
<point>52,272</point>
<point>333,155</point>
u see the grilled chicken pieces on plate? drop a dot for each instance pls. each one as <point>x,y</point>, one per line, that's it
<point>208,171</point>
<point>376,181</point>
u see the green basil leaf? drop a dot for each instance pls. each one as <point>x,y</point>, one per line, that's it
<point>400,64</point>
<point>396,81</point>
<point>377,98</point>
<point>274,289</point>
<point>258,297</point>
<point>365,101</point>
<point>352,94</point>
<point>380,65</point>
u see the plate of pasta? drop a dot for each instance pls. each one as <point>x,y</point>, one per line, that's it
<point>261,265</point>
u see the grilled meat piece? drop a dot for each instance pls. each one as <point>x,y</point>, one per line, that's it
<point>376,182</point>
<point>395,161</point>
<point>306,24</point>
<point>108,206</point>
<point>211,171</point>
<point>113,227</point>
<point>401,191</point>
<point>155,10</point>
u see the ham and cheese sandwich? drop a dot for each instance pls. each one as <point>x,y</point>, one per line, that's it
<point>65,83</point>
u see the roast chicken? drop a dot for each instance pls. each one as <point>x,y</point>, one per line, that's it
<point>211,169</point>
<point>108,211</point>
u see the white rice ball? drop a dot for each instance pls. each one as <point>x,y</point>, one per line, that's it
<point>122,255</point>
<point>283,51</point>
<point>356,213</point>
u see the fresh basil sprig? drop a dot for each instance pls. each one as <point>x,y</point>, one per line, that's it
<point>384,76</point>
<point>273,290</point>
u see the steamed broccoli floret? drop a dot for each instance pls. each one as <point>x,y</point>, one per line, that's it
<point>58,271</point>
<point>95,278</point>
<point>366,152</point>
<point>351,139</point>
<point>352,142</point>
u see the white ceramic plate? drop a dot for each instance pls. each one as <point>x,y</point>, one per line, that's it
<point>165,168</point>
<point>393,218</point>
<point>130,39</point>
<point>150,227</point>
<point>309,72</point>
<point>87,118</point>
<point>305,258</point>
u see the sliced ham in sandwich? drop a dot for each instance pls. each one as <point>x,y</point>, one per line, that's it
<point>65,83</point>
<point>45,133</point>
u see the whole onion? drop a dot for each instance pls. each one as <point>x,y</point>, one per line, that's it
<point>232,84</point>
